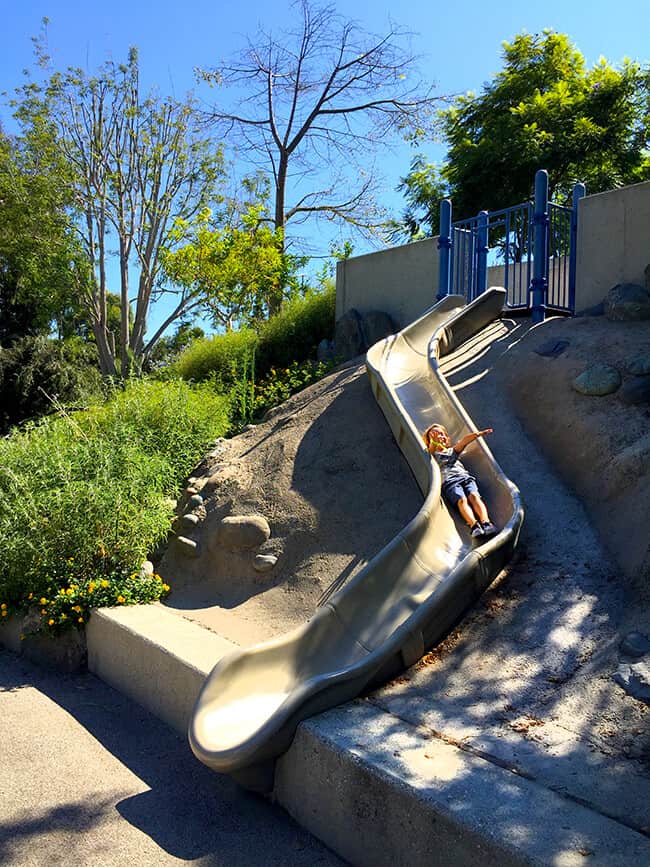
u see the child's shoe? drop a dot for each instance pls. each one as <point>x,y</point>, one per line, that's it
<point>476,531</point>
<point>489,529</point>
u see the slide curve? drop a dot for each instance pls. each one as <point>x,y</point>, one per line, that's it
<point>403,601</point>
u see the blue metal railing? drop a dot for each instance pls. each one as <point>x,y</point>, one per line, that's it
<point>533,243</point>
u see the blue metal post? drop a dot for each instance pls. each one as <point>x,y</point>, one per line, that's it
<point>579,192</point>
<point>444,246</point>
<point>540,247</point>
<point>481,252</point>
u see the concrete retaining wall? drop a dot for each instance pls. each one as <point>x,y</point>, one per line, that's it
<point>613,247</point>
<point>613,242</point>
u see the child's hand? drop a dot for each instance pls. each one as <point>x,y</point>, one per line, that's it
<point>481,433</point>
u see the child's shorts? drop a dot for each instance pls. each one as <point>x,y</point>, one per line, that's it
<point>454,491</point>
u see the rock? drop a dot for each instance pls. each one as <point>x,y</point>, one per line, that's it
<point>552,348</point>
<point>597,380</point>
<point>239,532</point>
<point>187,547</point>
<point>189,521</point>
<point>348,335</point>
<point>640,366</point>
<point>264,562</point>
<point>146,569</point>
<point>356,332</point>
<point>195,501</point>
<point>249,427</point>
<point>636,390</point>
<point>627,302</point>
<point>376,326</point>
<point>635,679</point>
<point>635,644</point>
<point>325,350</point>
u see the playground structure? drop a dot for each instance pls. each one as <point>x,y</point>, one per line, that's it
<point>405,599</point>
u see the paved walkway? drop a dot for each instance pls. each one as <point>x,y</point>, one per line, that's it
<point>90,778</point>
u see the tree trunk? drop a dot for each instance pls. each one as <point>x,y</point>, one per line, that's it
<point>275,295</point>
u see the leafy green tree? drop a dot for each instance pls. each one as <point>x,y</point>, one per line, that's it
<point>230,267</point>
<point>134,164</point>
<point>42,265</point>
<point>544,109</point>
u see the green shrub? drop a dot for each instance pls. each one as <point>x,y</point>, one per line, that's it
<point>295,332</point>
<point>35,370</point>
<point>282,383</point>
<point>85,497</point>
<point>220,359</point>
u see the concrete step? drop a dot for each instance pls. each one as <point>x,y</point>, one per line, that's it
<point>373,787</point>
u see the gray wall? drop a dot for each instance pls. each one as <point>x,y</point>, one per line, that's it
<point>402,281</point>
<point>613,247</point>
<point>613,242</point>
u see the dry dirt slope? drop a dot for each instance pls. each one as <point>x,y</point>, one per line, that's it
<point>327,475</point>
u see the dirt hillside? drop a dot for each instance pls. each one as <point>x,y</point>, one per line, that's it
<point>325,473</point>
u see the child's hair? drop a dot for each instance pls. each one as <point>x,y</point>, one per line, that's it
<point>429,435</point>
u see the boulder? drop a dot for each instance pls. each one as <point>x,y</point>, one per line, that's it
<point>635,644</point>
<point>189,521</point>
<point>627,302</point>
<point>325,350</point>
<point>187,547</point>
<point>639,366</point>
<point>635,679</point>
<point>240,532</point>
<point>376,326</point>
<point>355,333</point>
<point>264,562</point>
<point>636,390</point>
<point>599,379</point>
<point>349,340</point>
<point>551,348</point>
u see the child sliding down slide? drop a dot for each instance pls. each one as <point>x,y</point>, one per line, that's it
<point>459,488</point>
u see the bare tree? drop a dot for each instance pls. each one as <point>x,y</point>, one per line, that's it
<point>316,103</point>
<point>135,165</point>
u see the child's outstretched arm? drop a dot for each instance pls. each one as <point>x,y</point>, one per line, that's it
<point>469,438</point>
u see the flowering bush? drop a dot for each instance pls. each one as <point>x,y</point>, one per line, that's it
<point>70,605</point>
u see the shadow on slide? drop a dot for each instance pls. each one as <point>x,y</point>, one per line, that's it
<point>406,598</point>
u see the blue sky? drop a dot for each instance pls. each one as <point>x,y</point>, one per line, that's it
<point>459,44</point>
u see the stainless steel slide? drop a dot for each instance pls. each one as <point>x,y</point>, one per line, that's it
<point>404,600</point>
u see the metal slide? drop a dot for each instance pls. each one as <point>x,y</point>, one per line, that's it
<point>402,602</point>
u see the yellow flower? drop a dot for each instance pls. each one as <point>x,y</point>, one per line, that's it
<point>76,608</point>
<point>22,636</point>
<point>64,617</point>
<point>80,620</point>
<point>43,600</point>
<point>120,599</point>
<point>43,610</point>
<point>91,587</point>
<point>69,591</point>
<point>3,606</point>
<point>166,588</point>
<point>62,592</point>
<point>104,583</point>
<point>50,622</point>
<point>157,577</point>
<point>4,613</point>
<point>31,595</point>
